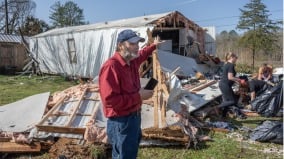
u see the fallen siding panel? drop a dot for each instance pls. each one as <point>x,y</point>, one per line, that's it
<point>22,115</point>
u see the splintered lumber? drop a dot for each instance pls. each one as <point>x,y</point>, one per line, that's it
<point>174,71</point>
<point>5,139</point>
<point>11,147</point>
<point>161,101</point>
<point>142,71</point>
<point>63,114</point>
<point>196,89</point>
<point>95,111</point>
<point>50,112</point>
<point>61,129</point>
<point>155,96</point>
<point>160,92</point>
<point>163,113</point>
<point>173,134</point>
<point>73,114</point>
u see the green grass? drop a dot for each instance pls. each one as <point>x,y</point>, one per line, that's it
<point>13,88</point>
<point>224,146</point>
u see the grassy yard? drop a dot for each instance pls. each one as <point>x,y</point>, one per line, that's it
<point>13,88</point>
<point>225,145</point>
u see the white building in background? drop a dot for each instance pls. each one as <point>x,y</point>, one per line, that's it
<point>210,40</point>
<point>81,50</point>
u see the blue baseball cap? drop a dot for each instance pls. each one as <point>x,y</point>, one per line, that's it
<point>130,36</point>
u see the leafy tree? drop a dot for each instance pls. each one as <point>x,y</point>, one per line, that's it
<point>18,11</point>
<point>33,26</point>
<point>233,34</point>
<point>260,30</point>
<point>68,14</point>
<point>226,41</point>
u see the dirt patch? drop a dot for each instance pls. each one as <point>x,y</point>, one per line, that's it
<point>71,148</point>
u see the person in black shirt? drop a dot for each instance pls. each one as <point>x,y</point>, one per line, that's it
<point>228,78</point>
<point>256,87</point>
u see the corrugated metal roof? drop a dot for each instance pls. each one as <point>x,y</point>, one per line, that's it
<point>12,38</point>
<point>130,22</point>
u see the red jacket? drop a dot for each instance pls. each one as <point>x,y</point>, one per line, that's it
<point>120,84</point>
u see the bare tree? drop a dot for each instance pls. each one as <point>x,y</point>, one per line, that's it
<point>16,13</point>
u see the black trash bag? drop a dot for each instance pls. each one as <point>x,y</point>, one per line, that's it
<point>270,102</point>
<point>268,131</point>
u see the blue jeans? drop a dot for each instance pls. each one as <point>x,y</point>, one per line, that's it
<point>124,134</point>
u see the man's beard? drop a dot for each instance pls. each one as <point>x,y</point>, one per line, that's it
<point>130,55</point>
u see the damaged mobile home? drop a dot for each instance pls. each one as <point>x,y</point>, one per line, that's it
<point>80,50</point>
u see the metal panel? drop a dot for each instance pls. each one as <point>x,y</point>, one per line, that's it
<point>22,115</point>
<point>12,38</point>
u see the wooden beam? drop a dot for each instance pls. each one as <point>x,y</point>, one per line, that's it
<point>163,113</point>
<point>146,70</point>
<point>5,139</point>
<point>50,112</point>
<point>155,96</point>
<point>66,128</point>
<point>95,110</point>
<point>60,129</point>
<point>11,147</point>
<point>165,90</point>
<point>174,71</point>
<point>77,106</point>
<point>195,89</point>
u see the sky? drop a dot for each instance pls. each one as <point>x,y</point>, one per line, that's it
<point>223,14</point>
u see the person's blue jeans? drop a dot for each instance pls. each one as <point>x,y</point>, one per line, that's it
<point>124,134</point>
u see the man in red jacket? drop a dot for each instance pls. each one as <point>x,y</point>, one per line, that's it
<point>122,95</point>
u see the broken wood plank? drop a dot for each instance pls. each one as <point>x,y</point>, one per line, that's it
<point>165,90</point>
<point>173,133</point>
<point>77,106</point>
<point>167,138</point>
<point>5,139</point>
<point>163,113</point>
<point>95,110</point>
<point>50,112</point>
<point>148,67</point>
<point>174,71</point>
<point>61,129</point>
<point>196,89</point>
<point>11,147</point>
<point>67,114</point>
<point>155,95</point>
